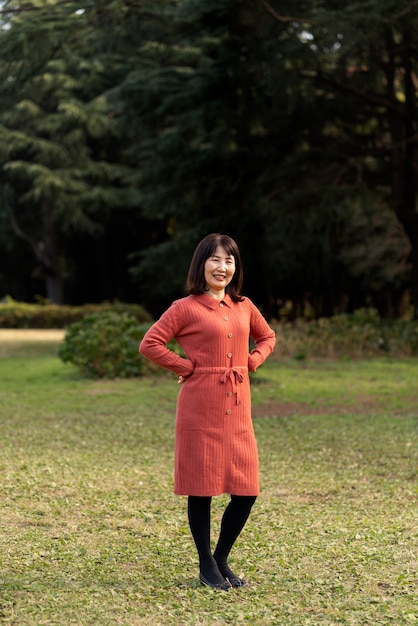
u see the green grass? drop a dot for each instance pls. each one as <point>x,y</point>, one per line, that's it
<point>91,533</point>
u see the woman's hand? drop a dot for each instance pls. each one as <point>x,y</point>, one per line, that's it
<point>181,380</point>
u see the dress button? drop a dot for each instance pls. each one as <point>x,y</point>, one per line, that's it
<point>225,318</point>
<point>229,355</point>
<point>229,334</point>
<point>229,393</point>
<point>221,304</point>
<point>228,412</point>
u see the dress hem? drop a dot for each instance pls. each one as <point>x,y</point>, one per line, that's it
<point>235,492</point>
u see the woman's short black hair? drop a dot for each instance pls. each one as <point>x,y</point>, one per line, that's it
<point>196,283</point>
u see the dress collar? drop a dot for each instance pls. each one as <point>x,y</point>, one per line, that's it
<point>213,303</point>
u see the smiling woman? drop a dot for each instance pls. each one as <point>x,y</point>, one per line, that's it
<point>216,263</point>
<point>215,449</point>
<point>219,271</point>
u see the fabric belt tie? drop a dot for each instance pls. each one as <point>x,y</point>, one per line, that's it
<point>235,377</point>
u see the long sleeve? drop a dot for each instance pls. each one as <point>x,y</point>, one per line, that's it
<point>154,344</point>
<point>264,337</point>
<point>215,446</point>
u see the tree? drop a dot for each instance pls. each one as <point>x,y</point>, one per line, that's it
<point>148,126</point>
<point>197,109</point>
<point>362,62</point>
<point>237,132</point>
<point>56,129</point>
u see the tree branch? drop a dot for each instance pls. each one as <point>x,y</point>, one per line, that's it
<point>402,13</point>
<point>36,247</point>
<point>366,97</point>
<point>280,18</point>
<point>31,7</point>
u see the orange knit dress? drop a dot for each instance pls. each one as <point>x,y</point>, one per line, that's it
<point>215,446</point>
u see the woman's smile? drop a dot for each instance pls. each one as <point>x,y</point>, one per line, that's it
<point>219,271</point>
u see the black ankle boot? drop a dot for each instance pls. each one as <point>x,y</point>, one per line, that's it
<point>211,576</point>
<point>229,575</point>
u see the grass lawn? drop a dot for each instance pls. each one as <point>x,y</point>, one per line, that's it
<point>91,533</point>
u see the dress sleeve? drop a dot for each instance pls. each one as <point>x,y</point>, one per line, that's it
<point>264,337</point>
<point>154,343</point>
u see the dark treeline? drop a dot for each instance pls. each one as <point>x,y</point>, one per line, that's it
<point>130,129</point>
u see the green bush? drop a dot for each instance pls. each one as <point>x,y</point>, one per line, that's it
<point>105,345</point>
<point>23,315</point>
<point>360,334</point>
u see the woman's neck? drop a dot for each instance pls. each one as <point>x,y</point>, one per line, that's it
<point>218,295</point>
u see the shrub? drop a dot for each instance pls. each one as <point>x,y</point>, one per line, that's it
<point>23,315</point>
<point>359,334</point>
<point>105,345</point>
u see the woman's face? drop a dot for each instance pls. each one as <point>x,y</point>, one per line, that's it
<point>219,271</point>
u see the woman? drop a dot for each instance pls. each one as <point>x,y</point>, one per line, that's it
<point>215,449</point>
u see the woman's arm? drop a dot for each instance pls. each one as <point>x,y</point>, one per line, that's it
<point>264,337</point>
<point>154,344</point>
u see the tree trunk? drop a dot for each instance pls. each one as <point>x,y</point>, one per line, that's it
<point>49,256</point>
<point>45,252</point>
<point>402,129</point>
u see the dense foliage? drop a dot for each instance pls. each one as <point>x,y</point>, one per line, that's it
<point>362,334</point>
<point>133,130</point>
<point>45,315</point>
<point>105,345</point>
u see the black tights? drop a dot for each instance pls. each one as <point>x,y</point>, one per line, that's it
<point>214,567</point>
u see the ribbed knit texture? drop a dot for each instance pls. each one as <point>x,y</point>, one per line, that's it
<point>215,450</point>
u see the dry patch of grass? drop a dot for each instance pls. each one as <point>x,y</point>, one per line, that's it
<point>29,334</point>
<point>25,342</point>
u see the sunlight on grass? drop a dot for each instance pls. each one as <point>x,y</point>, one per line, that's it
<point>92,534</point>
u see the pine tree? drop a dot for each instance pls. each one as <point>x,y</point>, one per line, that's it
<point>198,100</point>
<point>56,129</point>
<point>360,61</point>
<point>244,126</point>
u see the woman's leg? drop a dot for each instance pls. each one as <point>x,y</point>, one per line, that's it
<point>198,509</point>
<point>233,521</point>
